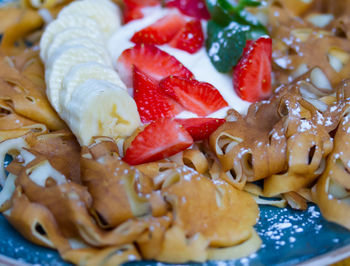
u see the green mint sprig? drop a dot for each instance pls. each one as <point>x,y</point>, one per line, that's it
<point>230,26</point>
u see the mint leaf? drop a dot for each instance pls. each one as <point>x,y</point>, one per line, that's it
<point>229,28</point>
<point>210,5</point>
<point>244,3</point>
<point>223,13</point>
<point>229,7</point>
<point>225,44</point>
<point>256,28</point>
<point>220,14</point>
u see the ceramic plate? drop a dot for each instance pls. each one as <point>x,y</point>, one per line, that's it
<point>289,237</point>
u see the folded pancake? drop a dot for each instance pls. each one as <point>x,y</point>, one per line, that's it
<point>115,255</point>
<point>284,141</point>
<point>70,203</point>
<point>30,65</point>
<point>61,149</point>
<point>109,179</point>
<point>221,213</point>
<point>297,36</point>
<point>27,22</point>
<point>252,244</point>
<point>13,125</point>
<point>35,222</point>
<point>179,248</point>
<point>249,150</point>
<point>43,4</point>
<point>9,16</point>
<point>332,191</point>
<point>24,97</point>
<point>185,212</point>
<point>150,243</point>
<point>202,203</point>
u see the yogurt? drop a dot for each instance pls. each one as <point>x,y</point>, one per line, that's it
<point>199,63</point>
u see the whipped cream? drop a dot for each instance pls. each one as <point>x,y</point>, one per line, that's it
<point>199,63</point>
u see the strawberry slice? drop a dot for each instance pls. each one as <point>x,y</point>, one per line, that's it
<point>160,32</point>
<point>152,61</point>
<point>252,74</point>
<point>192,8</point>
<point>160,139</point>
<point>151,102</point>
<point>133,8</point>
<point>201,128</point>
<point>190,38</point>
<point>247,46</point>
<point>199,97</point>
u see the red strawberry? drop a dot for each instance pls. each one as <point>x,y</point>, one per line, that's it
<point>152,104</point>
<point>190,38</point>
<point>160,139</point>
<point>199,97</point>
<point>151,60</point>
<point>192,8</point>
<point>160,32</point>
<point>132,14</point>
<point>201,128</point>
<point>252,74</point>
<point>247,46</point>
<point>133,8</point>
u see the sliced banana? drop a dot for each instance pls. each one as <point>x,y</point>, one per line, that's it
<point>83,72</point>
<point>104,12</point>
<point>61,63</point>
<point>100,108</point>
<point>62,24</point>
<point>73,33</point>
<point>88,43</point>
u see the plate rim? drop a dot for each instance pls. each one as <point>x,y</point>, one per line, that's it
<point>324,259</point>
<point>4,260</point>
<point>329,257</point>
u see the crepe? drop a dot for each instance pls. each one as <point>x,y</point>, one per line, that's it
<point>202,203</point>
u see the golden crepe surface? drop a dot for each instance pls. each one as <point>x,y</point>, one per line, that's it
<point>121,206</point>
<point>200,204</point>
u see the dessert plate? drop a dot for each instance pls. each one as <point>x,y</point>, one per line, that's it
<point>289,237</point>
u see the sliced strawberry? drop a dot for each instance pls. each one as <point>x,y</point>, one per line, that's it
<point>152,104</point>
<point>190,38</point>
<point>252,74</point>
<point>151,60</point>
<point>132,14</point>
<point>133,8</point>
<point>247,46</point>
<point>192,8</point>
<point>199,97</point>
<point>201,128</point>
<point>160,32</point>
<point>160,139</point>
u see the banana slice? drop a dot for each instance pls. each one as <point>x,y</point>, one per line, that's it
<point>100,108</point>
<point>61,63</point>
<point>73,33</point>
<point>104,12</point>
<point>62,24</point>
<point>83,72</point>
<point>86,42</point>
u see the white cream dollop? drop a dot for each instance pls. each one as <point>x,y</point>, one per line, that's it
<point>199,63</point>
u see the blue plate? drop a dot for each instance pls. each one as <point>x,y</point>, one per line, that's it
<point>289,237</point>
